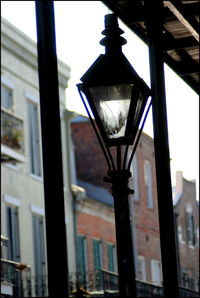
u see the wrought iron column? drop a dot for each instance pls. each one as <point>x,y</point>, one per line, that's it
<point>52,153</point>
<point>161,144</point>
<point>126,268</point>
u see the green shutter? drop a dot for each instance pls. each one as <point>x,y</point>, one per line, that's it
<point>111,263</point>
<point>81,253</point>
<point>97,254</point>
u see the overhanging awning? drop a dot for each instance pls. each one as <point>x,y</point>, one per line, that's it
<point>180,33</point>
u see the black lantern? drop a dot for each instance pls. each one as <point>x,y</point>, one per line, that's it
<point>117,97</point>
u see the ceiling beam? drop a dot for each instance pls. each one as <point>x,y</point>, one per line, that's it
<point>175,66</point>
<point>188,21</point>
<point>128,16</point>
<point>135,12</point>
<point>180,43</point>
<point>188,69</point>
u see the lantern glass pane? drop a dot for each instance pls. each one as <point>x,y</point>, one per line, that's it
<point>138,109</point>
<point>112,105</point>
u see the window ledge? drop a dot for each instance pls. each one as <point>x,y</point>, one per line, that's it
<point>191,246</point>
<point>36,177</point>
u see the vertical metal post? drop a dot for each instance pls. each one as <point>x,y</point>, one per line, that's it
<point>52,153</point>
<point>164,189</point>
<point>125,257</point>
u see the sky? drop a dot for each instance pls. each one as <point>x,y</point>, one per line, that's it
<point>78,31</point>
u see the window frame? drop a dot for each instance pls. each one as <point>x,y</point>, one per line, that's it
<point>13,232</point>
<point>190,228</point>
<point>111,252</point>
<point>83,240</point>
<point>143,270</point>
<point>34,140</point>
<point>99,246</point>
<point>156,262</point>
<point>134,180</point>
<point>39,244</point>
<point>148,184</point>
<point>5,82</point>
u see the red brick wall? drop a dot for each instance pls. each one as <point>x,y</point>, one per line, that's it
<point>90,162</point>
<point>91,167</point>
<point>96,227</point>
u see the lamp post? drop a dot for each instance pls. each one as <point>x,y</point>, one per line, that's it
<point>117,98</point>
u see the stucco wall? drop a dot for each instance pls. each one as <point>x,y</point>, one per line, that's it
<point>19,66</point>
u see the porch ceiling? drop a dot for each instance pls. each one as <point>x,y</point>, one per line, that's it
<point>180,33</point>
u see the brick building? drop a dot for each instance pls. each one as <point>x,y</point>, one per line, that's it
<point>95,214</point>
<point>186,208</point>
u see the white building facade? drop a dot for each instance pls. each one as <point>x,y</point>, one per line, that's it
<point>22,196</point>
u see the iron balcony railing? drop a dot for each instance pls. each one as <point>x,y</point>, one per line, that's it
<point>105,284</point>
<point>12,131</point>
<point>81,284</point>
<point>13,275</point>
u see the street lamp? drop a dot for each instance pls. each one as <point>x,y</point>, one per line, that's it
<point>117,98</point>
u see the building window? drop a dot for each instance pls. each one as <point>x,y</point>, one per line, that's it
<point>190,229</point>
<point>197,233</point>
<point>34,140</point>
<point>81,253</point>
<point>180,234</point>
<point>13,233</point>
<point>134,181</point>
<point>141,268</point>
<point>156,272</point>
<point>39,246</point>
<point>184,278</point>
<point>6,97</point>
<point>97,254</point>
<point>39,255</point>
<point>183,230</point>
<point>111,257</point>
<point>148,183</point>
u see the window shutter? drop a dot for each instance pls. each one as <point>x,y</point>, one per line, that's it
<point>9,234</point>
<point>39,251</point>
<point>34,139</point>
<point>190,228</point>
<point>141,268</point>
<point>97,254</point>
<point>13,234</point>
<point>16,232</point>
<point>42,247</point>
<point>6,97</point>
<point>135,179</point>
<point>81,253</point>
<point>193,231</point>
<point>156,272</point>
<point>111,257</point>
<point>148,183</point>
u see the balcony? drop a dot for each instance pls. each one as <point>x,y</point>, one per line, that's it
<point>12,138</point>
<point>13,275</point>
<point>81,284</point>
